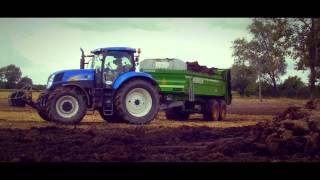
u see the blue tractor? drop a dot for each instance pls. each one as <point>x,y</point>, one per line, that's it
<point>107,82</point>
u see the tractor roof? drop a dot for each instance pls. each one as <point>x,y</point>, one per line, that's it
<point>96,51</point>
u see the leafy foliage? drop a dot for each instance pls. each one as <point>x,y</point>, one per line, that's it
<point>24,82</point>
<point>10,75</point>
<point>10,78</point>
<point>241,77</point>
<point>304,40</point>
<point>266,50</point>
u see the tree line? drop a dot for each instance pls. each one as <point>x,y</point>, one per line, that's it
<point>260,61</point>
<point>11,78</point>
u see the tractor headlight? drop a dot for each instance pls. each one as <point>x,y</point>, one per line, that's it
<point>50,81</point>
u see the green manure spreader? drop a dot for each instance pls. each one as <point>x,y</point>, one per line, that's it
<point>183,91</point>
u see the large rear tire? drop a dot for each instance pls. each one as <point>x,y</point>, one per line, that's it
<point>222,110</point>
<point>211,110</point>
<point>111,119</point>
<point>137,102</point>
<point>66,105</point>
<point>176,113</point>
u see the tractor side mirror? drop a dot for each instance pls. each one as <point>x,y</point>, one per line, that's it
<point>137,57</point>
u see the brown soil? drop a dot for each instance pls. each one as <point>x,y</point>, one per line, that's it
<point>292,135</point>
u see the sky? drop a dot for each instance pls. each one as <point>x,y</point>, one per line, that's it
<point>41,46</point>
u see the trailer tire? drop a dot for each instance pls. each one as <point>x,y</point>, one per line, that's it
<point>176,113</point>
<point>132,102</point>
<point>211,110</point>
<point>222,110</point>
<point>66,105</point>
<point>111,119</point>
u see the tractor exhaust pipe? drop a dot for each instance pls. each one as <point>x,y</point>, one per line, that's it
<point>82,61</point>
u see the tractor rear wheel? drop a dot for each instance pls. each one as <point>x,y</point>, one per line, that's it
<point>211,110</point>
<point>66,105</point>
<point>137,102</point>
<point>111,119</point>
<point>176,113</point>
<point>222,110</point>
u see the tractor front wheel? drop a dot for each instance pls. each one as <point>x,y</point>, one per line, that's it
<point>66,106</point>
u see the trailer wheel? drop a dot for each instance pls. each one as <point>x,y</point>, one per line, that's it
<point>211,110</point>
<point>137,102</point>
<point>222,110</point>
<point>111,119</point>
<point>176,113</point>
<point>66,106</point>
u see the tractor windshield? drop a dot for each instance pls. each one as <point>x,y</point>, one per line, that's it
<point>119,61</point>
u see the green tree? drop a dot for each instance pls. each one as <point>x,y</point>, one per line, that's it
<point>251,89</point>
<point>241,77</point>
<point>24,81</point>
<point>266,51</point>
<point>294,82</point>
<point>2,78</point>
<point>10,75</point>
<point>293,87</point>
<point>304,39</point>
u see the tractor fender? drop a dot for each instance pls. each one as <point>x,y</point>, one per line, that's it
<point>77,86</point>
<point>130,75</point>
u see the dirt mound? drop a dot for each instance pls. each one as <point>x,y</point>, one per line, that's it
<point>292,113</point>
<point>294,131</point>
<point>195,67</point>
<point>315,104</point>
<point>293,135</point>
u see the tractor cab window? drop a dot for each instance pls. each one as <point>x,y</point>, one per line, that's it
<point>118,62</point>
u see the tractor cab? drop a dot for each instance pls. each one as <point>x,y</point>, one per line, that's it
<point>109,63</point>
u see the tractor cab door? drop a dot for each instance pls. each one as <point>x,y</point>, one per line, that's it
<point>116,63</point>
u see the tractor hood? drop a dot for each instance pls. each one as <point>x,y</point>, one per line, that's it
<point>69,76</point>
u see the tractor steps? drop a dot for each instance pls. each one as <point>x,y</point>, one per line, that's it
<point>107,102</point>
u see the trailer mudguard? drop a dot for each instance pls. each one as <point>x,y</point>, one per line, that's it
<point>128,75</point>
